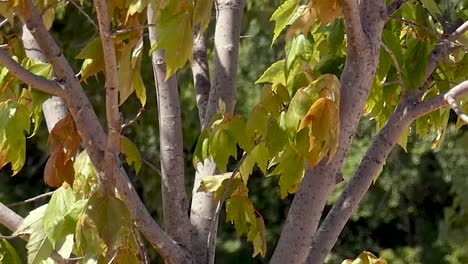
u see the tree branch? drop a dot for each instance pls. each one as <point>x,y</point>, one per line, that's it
<point>451,96</point>
<point>94,139</point>
<point>397,66</point>
<point>330,229</point>
<point>12,221</point>
<point>226,43</point>
<point>9,218</point>
<point>37,82</point>
<point>354,30</point>
<point>407,111</point>
<point>112,96</point>
<point>201,74</point>
<point>175,203</point>
<point>363,47</point>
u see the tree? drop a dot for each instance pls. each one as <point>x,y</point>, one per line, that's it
<point>401,63</point>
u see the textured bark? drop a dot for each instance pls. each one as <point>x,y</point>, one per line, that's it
<point>408,110</point>
<point>364,23</point>
<point>54,108</point>
<point>106,185</point>
<point>226,43</point>
<point>201,75</point>
<point>94,138</point>
<point>175,203</point>
<point>9,219</point>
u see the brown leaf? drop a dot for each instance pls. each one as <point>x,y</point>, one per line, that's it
<point>64,142</point>
<point>326,10</point>
<point>58,170</point>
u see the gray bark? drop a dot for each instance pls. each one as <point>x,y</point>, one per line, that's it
<point>201,75</point>
<point>54,108</point>
<point>364,25</point>
<point>94,139</point>
<point>175,203</point>
<point>226,43</point>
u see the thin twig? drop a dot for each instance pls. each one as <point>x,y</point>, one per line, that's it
<point>130,29</point>
<point>136,119</point>
<point>30,200</point>
<point>236,170</point>
<point>141,245</point>
<point>80,9</point>
<point>450,98</point>
<point>9,237</point>
<point>151,166</point>
<point>4,21</point>
<point>413,23</point>
<point>395,63</point>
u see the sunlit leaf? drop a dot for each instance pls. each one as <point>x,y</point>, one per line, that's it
<point>240,211</point>
<point>274,74</point>
<point>256,235</point>
<point>282,16</point>
<point>93,58</point>
<point>202,13</point>
<point>131,152</point>
<point>111,217</point>
<point>8,253</point>
<point>14,122</point>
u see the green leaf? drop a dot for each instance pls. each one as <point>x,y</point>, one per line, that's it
<point>433,8</point>
<point>236,128</point>
<point>61,201</point>
<point>416,59</point>
<point>93,58</point>
<point>175,18</point>
<point>111,217</point>
<point>274,74</point>
<point>392,41</point>
<point>140,88</point>
<point>257,124</point>
<point>299,47</point>
<point>32,222</point>
<point>136,6</point>
<point>8,253</point>
<point>125,73</point>
<point>14,121</point>
<point>222,145</point>
<point>88,242</point>
<point>131,152</point>
<point>276,138</point>
<point>125,256</point>
<point>256,235</point>
<point>202,13</point>
<point>290,168</point>
<point>260,155</point>
<point>336,36</point>
<point>240,211</point>
<point>201,150</point>
<point>39,247</point>
<point>282,17</point>
<point>403,139</point>
<point>218,184</point>
<point>85,176</point>
<point>299,106</point>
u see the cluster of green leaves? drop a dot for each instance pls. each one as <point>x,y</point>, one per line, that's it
<point>295,123</point>
<point>409,37</point>
<point>78,221</point>
<point>19,108</point>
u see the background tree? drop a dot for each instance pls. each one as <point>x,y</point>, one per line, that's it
<point>304,116</point>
